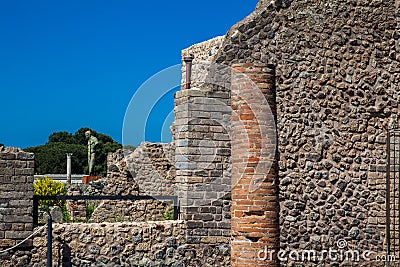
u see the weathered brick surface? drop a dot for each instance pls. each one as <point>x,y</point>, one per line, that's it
<point>255,204</point>
<point>202,149</point>
<point>16,194</point>
<point>336,77</point>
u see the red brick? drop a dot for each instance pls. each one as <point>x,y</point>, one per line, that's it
<point>249,162</point>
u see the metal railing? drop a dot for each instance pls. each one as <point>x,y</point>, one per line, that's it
<point>36,199</point>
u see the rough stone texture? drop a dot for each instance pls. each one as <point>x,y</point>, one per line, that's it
<point>336,77</point>
<point>94,187</point>
<point>16,202</point>
<point>337,72</point>
<point>76,208</point>
<point>124,210</point>
<point>126,244</point>
<point>151,165</point>
<point>120,181</point>
<point>203,53</point>
<point>146,171</point>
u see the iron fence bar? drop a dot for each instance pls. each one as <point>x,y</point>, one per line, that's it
<point>49,242</point>
<point>35,210</point>
<point>176,208</point>
<point>84,197</point>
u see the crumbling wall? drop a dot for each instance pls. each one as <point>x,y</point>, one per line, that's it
<point>16,202</point>
<point>151,167</point>
<point>146,171</point>
<point>132,211</point>
<point>203,53</point>
<point>125,244</point>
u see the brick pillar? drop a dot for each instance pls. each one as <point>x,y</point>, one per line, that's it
<point>202,162</point>
<point>255,204</point>
<point>16,198</point>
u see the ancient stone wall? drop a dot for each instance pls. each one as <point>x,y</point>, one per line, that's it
<point>16,202</point>
<point>203,53</point>
<point>337,76</point>
<point>132,211</point>
<point>151,167</point>
<point>149,170</point>
<point>336,71</point>
<point>125,244</point>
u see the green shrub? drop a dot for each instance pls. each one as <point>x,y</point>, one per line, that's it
<point>48,187</point>
<point>67,216</point>
<point>168,215</point>
<point>89,210</point>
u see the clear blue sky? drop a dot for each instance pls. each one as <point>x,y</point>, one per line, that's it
<point>71,64</point>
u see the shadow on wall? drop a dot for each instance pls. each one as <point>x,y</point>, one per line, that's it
<point>64,254</point>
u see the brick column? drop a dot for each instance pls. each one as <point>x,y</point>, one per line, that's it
<point>202,162</point>
<point>255,204</point>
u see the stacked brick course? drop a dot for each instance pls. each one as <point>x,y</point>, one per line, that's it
<point>202,154</point>
<point>202,162</point>
<point>255,204</point>
<point>16,201</point>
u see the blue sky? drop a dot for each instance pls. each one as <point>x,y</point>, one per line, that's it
<point>71,64</point>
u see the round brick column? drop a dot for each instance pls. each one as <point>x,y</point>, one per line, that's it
<point>255,205</point>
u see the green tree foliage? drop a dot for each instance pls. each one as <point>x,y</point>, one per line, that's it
<point>63,137</point>
<point>50,158</point>
<point>80,137</point>
<point>1,144</point>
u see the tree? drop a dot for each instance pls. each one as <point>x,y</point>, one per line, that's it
<point>80,137</point>
<point>51,157</point>
<point>64,137</point>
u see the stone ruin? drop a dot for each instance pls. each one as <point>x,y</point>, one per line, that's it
<point>323,77</point>
<point>147,171</point>
<point>16,202</point>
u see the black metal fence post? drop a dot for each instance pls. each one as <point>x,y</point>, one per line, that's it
<point>176,208</point>
<point>35,210</point>
<point>49,242</point>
